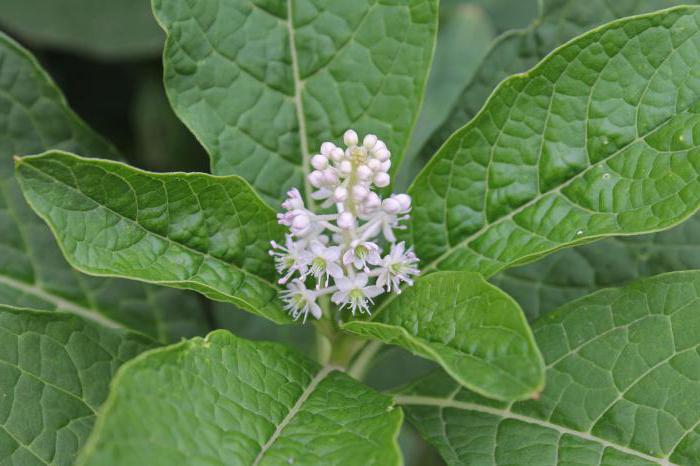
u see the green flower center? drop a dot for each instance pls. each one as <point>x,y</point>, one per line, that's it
<point>361,252</point>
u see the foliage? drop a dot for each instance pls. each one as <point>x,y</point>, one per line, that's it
<point>535,187</point>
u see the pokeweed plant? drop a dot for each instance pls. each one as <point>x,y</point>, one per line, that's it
<point>598,139</point>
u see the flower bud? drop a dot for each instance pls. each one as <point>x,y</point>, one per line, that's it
<point>340,194</point>
<point>337,154</point>
<point>404,201</point>
<point>374,165</point>
<point>301,222</point>
<point>329,177</point>
<point>381,179</point>
<point>315,178</point>
<point>346,220</point>
<point>386,166</point>
<point>382,155</point>
<point>364,172</point>
<point>319,161</point>
<point>345,167</point>
<point>359,192</point>
<point>350,138</point>
<point>327,148</point>
<point>369,141</point>
<point>391,206</point>
<point>372,201</point>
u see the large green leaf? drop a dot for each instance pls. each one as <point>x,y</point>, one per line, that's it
<point>34,117</point>
<point>194,231</point>
<point>518,50</point>
<point>452,68</point>
<point>225,400</point>
<point>262,84</point>
<point>477,333</point>
<point>55,371</point>
<point>622,387</point>
<point>103,28</point>
<point>599,139</point>
<point>545,285</point>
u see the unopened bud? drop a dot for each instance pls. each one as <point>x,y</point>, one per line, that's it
<point>350,138</point>
<point>346,220</point>
<point>327,148</point>
<point>337,154</point>
<point>369,141</point>
<point>404,201</point>
<point>391,206</point>
<point>359,192</point>
<point>319,161</point>
<point>382,155</point>
<point>364,172</point>
<point>381,179</point>
<point>315,178</point>
<point>340,194</point>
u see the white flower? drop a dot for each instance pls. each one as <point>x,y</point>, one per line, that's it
<point>324,262</point>
<point>290,258</point>
<point>397,266</point>
<point>300,220</point>
<point>338,250</point>
<point>362,253</point>
<point>300,300</point>
<point>354,292</point>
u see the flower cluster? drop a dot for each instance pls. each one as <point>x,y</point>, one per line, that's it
<point>341,251</point>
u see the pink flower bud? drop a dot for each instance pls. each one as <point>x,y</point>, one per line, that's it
<point>319,161</point>
<point>337,154</point>
<point>327,148</point>
<point>382,155</point>
<point>381,179</point>
<point>350,138</point>
<point>391,206</point>
<point>329,177</point>
<point>340,194</point>
<point>315,178</point>
<point>404,201</point>
<point>372,201</point>
<point>369,141</point>
<point>364,172</point>
<point>359,192</point>
<point>374,164</point>
<point>346,220</point>
<point>345,167</point>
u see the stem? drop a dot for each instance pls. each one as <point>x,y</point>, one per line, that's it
<point>360,366</point>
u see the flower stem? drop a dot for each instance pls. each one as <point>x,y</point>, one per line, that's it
<point>360,366</point>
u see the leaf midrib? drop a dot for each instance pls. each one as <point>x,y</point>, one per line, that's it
<point>487,225</point>
<point>205,255</point>
<point>294,410</point>
<point>508,414</point>
<point>60,302</point>
<point>298,102</point>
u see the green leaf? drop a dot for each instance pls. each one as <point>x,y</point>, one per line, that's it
<point>34,117</point>
<point>477,333</point>
<point>263,84</point>
<point>597,140</point>
<point>194,231</point>
<point>453,66</point>
<point>124,29</point>
<point>519,50</point>
<point>225,400</point>
<point>622,387</point>
<point>545,285</point>
<point>55,371</point>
